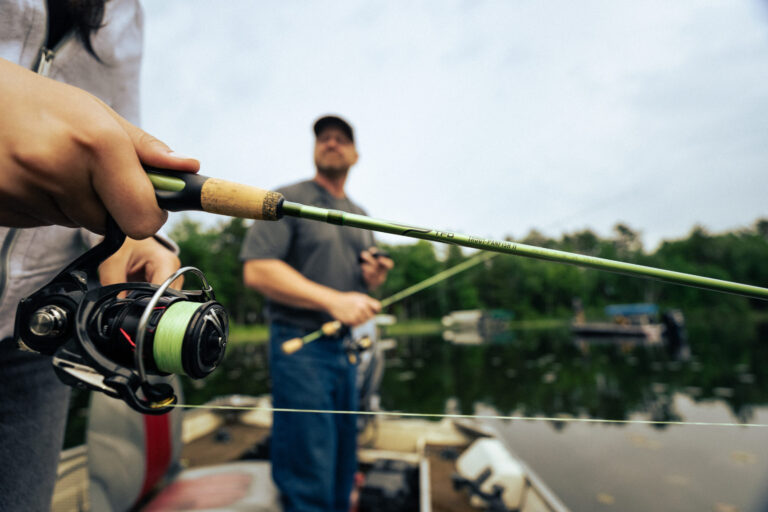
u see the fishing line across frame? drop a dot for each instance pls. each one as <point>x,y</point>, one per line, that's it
<point>474,416</point>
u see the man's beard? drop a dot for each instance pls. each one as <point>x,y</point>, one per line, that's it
<point>332,172</point>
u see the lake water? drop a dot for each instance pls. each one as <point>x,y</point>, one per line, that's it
<point>718,377</point>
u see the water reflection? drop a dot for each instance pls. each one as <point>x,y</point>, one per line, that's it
<point>548,373</point>
<point>544,373</point>
<point>717,378</point>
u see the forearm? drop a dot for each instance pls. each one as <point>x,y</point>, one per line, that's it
<point>282,283</point>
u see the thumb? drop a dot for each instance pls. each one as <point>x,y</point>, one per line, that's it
<point>150,150</point>
<point>367,257</point>
<point>156,153</point>
<point>375,305</point>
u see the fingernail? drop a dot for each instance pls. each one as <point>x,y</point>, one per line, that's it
<point>174,154</point>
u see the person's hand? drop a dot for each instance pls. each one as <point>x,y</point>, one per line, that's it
<point>353,308</point>
<point>67,158</point>
<point>140,261</point>
<point>375,267</point>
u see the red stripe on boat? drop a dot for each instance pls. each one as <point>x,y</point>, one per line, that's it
<point>157,431</point>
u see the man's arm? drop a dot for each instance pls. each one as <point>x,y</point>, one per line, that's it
<point>282,283</point>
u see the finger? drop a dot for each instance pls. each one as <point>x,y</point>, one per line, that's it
<point>177,284</point>
<point>29,205</point>
<point>378,253</point>
<point>161,269</point>
<point>151,261</point>
<point>374,305</point>
<point>152,151</point>
<point>365,316</point>
<point>156,153</point>
<point>367,258</point>
<point>24,220</point>
<point>123,186</point>
<point>114,270</point>
<point>386,263</point>
<point>368,272</point>
<point>120,180</point>
<point>84,209</point>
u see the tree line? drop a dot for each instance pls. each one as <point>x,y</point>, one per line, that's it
<point>529,288</point>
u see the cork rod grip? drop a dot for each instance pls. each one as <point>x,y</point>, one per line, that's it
<point>236,200</point>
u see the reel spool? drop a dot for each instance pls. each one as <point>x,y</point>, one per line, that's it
<point>111,338</point>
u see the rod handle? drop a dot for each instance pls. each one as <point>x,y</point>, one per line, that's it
<point>331,328</point>
<point>177,191</point>
<point>292,345</point>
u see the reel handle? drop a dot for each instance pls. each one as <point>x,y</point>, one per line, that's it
<point>292,346</point>
<point>177,191</point>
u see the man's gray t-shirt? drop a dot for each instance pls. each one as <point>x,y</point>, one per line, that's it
<point>324,253</point>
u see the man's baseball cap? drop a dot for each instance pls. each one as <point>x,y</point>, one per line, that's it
<point>335,122</point>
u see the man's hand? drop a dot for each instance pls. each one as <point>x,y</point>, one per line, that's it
<point>375,267</point>
<point>139,261</point>
<point>353,308</point>
<point>283,283</point>
<point>66,158</point>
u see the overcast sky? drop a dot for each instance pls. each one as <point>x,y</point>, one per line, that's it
<point>485,118</point>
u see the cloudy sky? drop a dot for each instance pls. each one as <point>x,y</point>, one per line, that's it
<point>481,117</point>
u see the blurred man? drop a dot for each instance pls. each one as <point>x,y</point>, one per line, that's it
<point>313,273</point>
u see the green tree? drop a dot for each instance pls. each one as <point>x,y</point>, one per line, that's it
<point>216,252</point>
<point>413,264</point>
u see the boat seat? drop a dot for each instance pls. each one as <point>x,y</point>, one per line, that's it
<point>129,453</point>
<point>235,486</point>
<point>133,458</point>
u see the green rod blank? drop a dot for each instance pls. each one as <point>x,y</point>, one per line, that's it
<point>360,221</point>
<point>440,276</point>
<point>294,344</point>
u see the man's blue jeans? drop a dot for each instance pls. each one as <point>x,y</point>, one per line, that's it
<point>313,455</point>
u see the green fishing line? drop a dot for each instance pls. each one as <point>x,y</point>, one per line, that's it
<point>169,336</point>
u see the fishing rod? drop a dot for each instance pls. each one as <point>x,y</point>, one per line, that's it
<point>333,327</point>
<point>177,191</point>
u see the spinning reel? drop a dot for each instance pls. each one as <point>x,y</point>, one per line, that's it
<point>110,338</point>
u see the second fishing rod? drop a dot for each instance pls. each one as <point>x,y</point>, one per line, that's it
<point>332,328</point>
<point>177,191</point>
